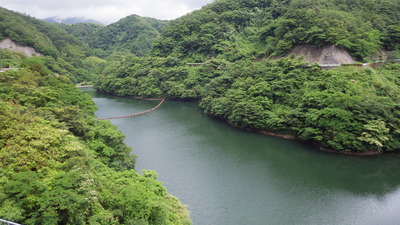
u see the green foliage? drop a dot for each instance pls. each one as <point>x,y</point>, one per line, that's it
<point>35,64</point>
<point>46,38</point>
<point>343,109</point>
<point>375,133</point>
<point>10,59</point>
<point>237,29</point>
<point>349,108</point>
<point>132,34</point>
<point>65,54</point>
<point>335,108</point>
<point>58,165</point>
<point>83,31</point>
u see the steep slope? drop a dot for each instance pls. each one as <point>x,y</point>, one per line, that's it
<point>63,52</point>
<point>46,38</point>
<point>324,55</point>
<point>258,28</point>
<point>8,44</point>
<point>133,34</point>
<point>58,165</point>
<point>83,31</point>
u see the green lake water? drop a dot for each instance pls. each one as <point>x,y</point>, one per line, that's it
<point>228,176</point>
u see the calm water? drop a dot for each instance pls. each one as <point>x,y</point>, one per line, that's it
<point>229,176</point>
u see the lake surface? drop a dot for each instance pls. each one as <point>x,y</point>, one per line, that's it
<point>228,176</point>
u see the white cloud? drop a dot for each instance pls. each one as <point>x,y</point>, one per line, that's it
<point>106,11</point>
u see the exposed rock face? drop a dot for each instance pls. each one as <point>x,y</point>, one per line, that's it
<point>326,55</point>
<point>9,44</point>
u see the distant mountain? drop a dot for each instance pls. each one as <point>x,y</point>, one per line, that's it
<point>133,34</point>
<point>83,31</point>
<point>70,20</point>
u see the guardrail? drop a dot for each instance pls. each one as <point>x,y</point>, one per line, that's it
<point>8,222</point>
<point>5,69</point>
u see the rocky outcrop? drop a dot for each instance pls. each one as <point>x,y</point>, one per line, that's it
<point>326,55</point>
<point>11,45</point>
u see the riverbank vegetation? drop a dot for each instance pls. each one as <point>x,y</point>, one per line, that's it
<point>236,79</point>
<point>59,165</point>
<point>348,108</point>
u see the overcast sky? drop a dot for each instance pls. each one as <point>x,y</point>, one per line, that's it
<point>105,11</point>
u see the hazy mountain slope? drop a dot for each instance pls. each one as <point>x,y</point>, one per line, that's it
<point>83,31</point>
<point>70,20</point>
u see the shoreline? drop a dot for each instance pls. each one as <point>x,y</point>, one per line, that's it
<point>296,138</point>
<point>273,134</point>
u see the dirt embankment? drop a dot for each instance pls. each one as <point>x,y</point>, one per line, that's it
<point>9,44</point>
<point>326,55</point>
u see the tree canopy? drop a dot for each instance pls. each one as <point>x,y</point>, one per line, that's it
<point>260,28</point>
<point>237,78</point>
<point>59,165</point>
<point>132,34</point>
<point>346,109</point>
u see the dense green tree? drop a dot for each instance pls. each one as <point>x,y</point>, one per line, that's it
<point>65,53</point>
<point>347,109</point>
<point>332,108</point>
<point>58,165</point>
<point>273,27</point>
<point>46,38</point>
<point>132,34</point>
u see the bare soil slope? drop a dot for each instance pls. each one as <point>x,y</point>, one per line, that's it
<point>9,44</point>
<point>326,55</point>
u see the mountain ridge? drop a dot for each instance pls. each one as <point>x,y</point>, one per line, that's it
<point>70,20</point>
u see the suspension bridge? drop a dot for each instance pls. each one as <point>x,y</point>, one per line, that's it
<point>132,115</point>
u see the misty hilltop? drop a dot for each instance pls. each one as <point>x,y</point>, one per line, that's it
<point>70,20</point>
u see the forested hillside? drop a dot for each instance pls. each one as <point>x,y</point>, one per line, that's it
<point>59,165</point>
<point>348,109</point>
<point>132,34</point>
<point>252,29</point>
<point>82,31</point>
<point>64,54</point>
<point>46,38</point>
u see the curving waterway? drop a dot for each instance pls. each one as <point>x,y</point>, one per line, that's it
<point>228,176</point>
